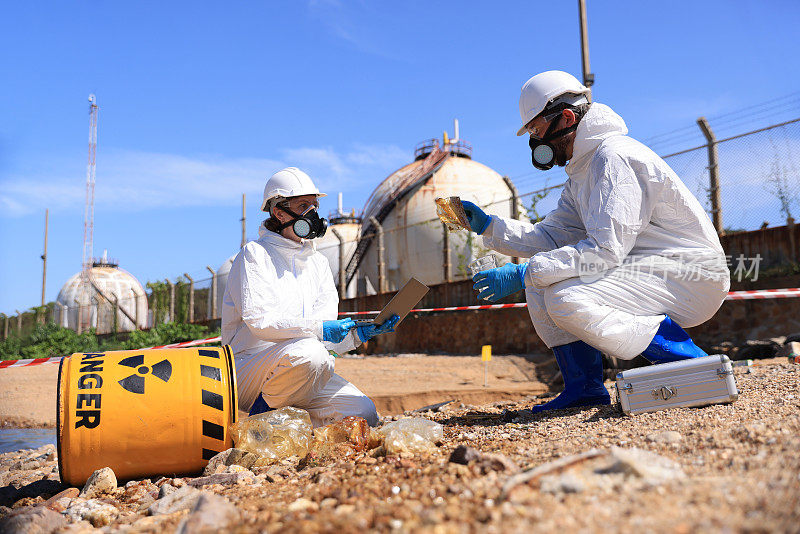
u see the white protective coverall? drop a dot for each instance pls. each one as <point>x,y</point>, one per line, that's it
<point>626,244</point>
<point>277,296</point>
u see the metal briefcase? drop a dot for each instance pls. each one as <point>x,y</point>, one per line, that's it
<point>695,382</point>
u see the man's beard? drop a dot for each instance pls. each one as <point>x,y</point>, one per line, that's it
<point>560,151</point>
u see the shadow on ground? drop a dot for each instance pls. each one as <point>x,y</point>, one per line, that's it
<point>40,488</point>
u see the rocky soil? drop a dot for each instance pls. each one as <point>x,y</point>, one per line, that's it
<point>719,468</point>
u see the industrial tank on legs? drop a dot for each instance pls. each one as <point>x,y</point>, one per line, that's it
<point>348,226</point>
<point>414,240</point>
<point>83,304</point>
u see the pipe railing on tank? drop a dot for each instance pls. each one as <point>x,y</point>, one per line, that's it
<point>105,262</point>
<point>347,218</point>
<point>425,147</point>
<point>459,148</point>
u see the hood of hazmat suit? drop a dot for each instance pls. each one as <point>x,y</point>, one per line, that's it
<point>621,202</point>
<point>278,290</point>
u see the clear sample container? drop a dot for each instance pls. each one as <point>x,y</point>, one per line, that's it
<point>483,264</point>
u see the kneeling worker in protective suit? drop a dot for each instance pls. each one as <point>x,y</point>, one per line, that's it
<point>280,308</point>
<point>625,260</point>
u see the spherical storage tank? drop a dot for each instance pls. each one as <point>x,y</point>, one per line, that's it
<point>79,309</point>
<point>222,282</point>
<point>413,235</point>
<point>348,227</point>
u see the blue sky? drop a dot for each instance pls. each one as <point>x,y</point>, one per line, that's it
<point>202,101</point>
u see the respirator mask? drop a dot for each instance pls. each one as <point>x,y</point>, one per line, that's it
<point>308,225</point>
<point>543,153</point>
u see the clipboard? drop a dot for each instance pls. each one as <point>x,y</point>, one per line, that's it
<point>402,303</point>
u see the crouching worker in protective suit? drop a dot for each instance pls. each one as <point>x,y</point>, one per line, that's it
<point>280,308</point>
<point>627,258</point>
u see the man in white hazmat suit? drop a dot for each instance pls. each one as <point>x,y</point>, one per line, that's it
<point>626,257</point>
<point>279,313</point>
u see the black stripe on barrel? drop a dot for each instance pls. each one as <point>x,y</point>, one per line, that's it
<point>209,353</point>
<point>209,454</point>
<point>211,372</point>
<point>212,400</point>
<point>213,430</point>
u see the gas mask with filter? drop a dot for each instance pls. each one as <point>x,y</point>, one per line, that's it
<point>307,225</point>
<point>543,152</point>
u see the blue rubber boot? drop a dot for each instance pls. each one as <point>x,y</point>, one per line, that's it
<point>582,369</point>
<point>671,344</point>
<point>259,406</point>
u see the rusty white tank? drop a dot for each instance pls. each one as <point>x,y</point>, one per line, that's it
<point>413,234</point>
<point>80,306</point>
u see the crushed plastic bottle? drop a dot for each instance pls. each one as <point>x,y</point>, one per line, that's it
<point>351,434</point>
<point>412,434</point>
<point>276,434</point>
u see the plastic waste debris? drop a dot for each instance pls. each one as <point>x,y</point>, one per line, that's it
<point>412,434</point>
<point>286,432</point>
<point>351,434</point>
<point>276,434</point>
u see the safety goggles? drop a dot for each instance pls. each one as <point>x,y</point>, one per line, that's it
<point>529,129</point>
<point>303,207</point>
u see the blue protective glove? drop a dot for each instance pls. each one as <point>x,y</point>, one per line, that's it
<point>367,332</point>
<point>478,220</point>
<point>336,331</point>
<point>494,284</point>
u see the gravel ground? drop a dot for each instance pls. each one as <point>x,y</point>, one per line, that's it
<point>719,468</point>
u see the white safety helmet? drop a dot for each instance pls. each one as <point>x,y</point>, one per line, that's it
<point>286,183</point>
<point>544,90</point>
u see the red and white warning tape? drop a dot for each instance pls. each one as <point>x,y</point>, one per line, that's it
<point>451,308</point>
<point>733,295</point>
<point>764,294</point>
<point>24,363</point>
<point>4,364</point>
<point>183,344</point>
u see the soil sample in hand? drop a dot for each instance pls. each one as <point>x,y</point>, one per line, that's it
<point>452,214</point>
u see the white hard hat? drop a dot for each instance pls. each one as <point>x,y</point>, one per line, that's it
<point>544,89</point>
<point>286,183</point>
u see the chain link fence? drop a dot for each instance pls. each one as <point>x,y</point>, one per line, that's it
<point>759,186</point>
<point>759,180</point>
<point>184,302</point>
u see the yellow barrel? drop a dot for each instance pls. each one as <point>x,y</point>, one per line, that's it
<point>144,412</point>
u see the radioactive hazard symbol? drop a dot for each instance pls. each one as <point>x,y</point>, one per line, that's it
<point>135,382</point>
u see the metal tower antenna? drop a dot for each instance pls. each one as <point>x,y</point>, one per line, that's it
<point>88,217</point>
<point>88,214</point>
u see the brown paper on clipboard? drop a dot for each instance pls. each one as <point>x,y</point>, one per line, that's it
<point>403,302</point>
